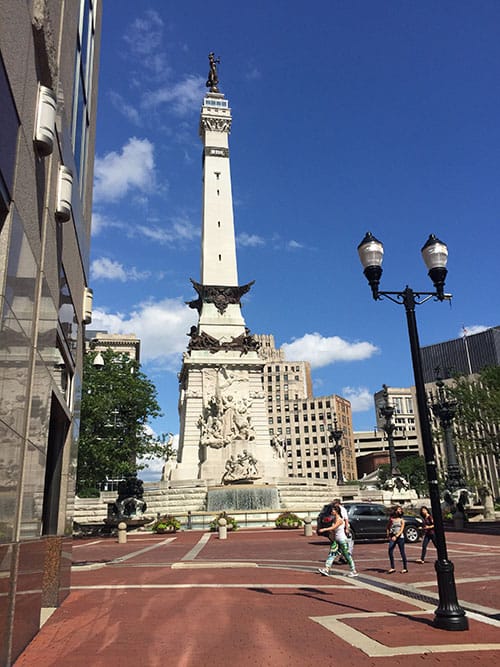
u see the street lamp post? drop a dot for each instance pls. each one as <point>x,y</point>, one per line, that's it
<point>387,411</point>
<point>448,615</point>
<point>335,436</point>
<point>445,409</point>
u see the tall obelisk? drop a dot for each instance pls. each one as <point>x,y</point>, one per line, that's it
<point>224,437</point>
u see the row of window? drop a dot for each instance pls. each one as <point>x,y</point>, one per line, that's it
<point>294,369</point>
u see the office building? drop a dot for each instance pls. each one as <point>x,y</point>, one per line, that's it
<point>302,423</point>
<point>49,52</point>
<point>461,356</point>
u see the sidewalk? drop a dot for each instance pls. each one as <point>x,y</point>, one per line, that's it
<point>193,600</point>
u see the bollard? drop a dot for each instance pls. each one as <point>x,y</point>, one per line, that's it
<point>222,529</point>
<point>122,532</point>
<point>189,524</point>
<point>308,529</point>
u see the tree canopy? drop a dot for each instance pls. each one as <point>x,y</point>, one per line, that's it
<point>477,421</point>
<point>411,468</point>
<point>118,400</point>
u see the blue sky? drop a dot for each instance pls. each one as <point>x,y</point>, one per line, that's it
<point>347,117</point>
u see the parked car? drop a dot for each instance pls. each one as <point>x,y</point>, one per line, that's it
<point>368,521</point>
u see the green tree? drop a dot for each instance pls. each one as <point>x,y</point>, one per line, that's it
<point>413,469</point>
<point>384,473</point>
<point>118,400</point>
<point>477,421</point>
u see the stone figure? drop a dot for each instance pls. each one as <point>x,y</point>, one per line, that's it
<point>171,460</point>
<point>396,484</point>
<point>240,468</point>
<point>130,503</point>
<point>213,77</point>
<point>225,417</point>
<point>278,446</point>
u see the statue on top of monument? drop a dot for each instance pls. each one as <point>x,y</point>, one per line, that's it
<point>213,78</point>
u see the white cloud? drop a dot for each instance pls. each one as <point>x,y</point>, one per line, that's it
<point>99,222</point>
<point>184,96</point>
<point>126,109</point>
<point>294,245</point>
<point>162,327</point>
<point>249,240</point>
<point>252,74</point>
<point>180,230</point>
<point>360,397</point>
<point>320,351</point>
<point>104,268</point>
<point>145,34</point>
<point>473,329</point>
<point>117,173</point>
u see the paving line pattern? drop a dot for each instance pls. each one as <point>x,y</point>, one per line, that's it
<point>375,649</point>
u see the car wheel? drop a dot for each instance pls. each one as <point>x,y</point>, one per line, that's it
<point>411,534</point>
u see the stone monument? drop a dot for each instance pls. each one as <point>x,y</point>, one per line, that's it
<point>224,437</point>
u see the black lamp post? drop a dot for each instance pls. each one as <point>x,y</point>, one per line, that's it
<point>335,436</point>
<point>387,411</point>
<point>448,615</point>
<point>445,410</point>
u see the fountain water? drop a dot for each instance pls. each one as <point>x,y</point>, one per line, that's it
<point>242,497</point>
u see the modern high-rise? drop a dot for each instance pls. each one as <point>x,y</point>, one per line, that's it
<point>49,52</point>
<point>465,355</point>
<point>302,423</point>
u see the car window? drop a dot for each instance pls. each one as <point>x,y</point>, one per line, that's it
<point>378,511</point>
<point>368,510</point>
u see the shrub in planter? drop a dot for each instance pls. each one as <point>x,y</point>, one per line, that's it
<point>166,524</point>
<point>232,524</point>
<point>288,520</point>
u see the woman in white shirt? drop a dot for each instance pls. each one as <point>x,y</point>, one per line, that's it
<point>338,544</point>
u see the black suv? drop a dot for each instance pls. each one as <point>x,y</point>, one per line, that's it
<point>368,521</point>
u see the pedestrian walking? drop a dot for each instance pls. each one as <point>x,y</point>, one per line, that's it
<point>337,503</point>
<point>395,535</point>
<point>429,535</point>
<point>339,543</point>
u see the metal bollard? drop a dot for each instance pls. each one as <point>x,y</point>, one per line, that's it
<point>308,529</point>
<point>122,532</point>
<point>222,529</point>
<point>189,524</point>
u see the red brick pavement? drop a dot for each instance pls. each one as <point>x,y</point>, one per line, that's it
<point>141,610</point>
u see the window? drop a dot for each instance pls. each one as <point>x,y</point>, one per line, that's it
<point>82,102</point>
<point>8,143</point>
